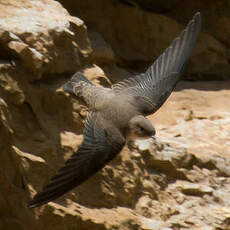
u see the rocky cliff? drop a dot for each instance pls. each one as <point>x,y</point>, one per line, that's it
<point>139,30</point>
<point>179,182</point>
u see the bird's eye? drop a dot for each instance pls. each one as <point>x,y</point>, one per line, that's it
<point>141,128</point>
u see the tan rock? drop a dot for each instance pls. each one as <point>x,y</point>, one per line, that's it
<point>139,31</point>
<point>150,224</point>
<point>31,58</point>
<point>202,134</point>
<point>62,46</point>
<point>209,59</point>
<point>102,51</point>
<point>195,189</point>
<point>95,74</point>
<point>149,185</point>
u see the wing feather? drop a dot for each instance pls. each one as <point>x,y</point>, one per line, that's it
<point>94,153</point>
<point>157,83</point>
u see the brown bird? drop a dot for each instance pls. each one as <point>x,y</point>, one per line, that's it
<point>118,114</point>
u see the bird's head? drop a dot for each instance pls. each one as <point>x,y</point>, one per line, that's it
<point>140,127</point>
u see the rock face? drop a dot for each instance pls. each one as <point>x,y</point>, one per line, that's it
<point>138,31</point>
<point>40,43</point>
<point>197,118</point>
<point>179,182</point>
<point>43,36</point>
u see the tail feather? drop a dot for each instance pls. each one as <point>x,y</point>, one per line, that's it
<point>68,87</point>
<point>77,79</point>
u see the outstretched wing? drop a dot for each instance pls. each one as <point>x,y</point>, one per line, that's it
<point>152,88</point>
<point>98,148</point>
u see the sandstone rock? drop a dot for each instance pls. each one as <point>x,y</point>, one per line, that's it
<point>95,74</point>
<point>139,31</point>
<point>115,73</point>
<point>207,131</point>
<point>38,34</point>
<point>140,189</point>
<point>162,158</point>
<point>30,57</point>
<point>137,43</point>
<point>221,27</point>
<point>152,6</point>
<point>102,51</point>
<point>150,224</point>
<point>47,41</point>
<point>215,16</point>
<point>80,217</point>
<point>209,60</point>
<point>179,182</point>
<point>195,189</point>
<point>143,206</point>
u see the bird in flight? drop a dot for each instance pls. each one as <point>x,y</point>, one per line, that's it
<point>118,114</point>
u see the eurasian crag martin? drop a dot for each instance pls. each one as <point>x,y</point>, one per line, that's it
<point>118,114</point>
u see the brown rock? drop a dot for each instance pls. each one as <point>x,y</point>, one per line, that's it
<point>150,224</point>
<point>222,29</point>
<point>131,32</point>
<point>30,57</point>
<point>139,31</point>
<point>102,51</point>
<point>179,182</point>
<point>152,6</point>
<point>87,218</point>
<point>202,134</point>
<point>31,128</point>
<point>195,189</point>
<point>162,158</point>
<point>95,74</point>
<point>48,41</point>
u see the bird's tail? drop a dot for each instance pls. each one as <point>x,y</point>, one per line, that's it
<point>76,82</point>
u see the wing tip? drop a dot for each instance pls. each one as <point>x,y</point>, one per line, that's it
<point>32,204</point>
<point>197,18</point>
<point>39,201</point>
<point>197,15</point>
<point>195,21</point>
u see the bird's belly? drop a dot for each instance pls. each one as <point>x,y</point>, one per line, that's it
<point>120,112</point>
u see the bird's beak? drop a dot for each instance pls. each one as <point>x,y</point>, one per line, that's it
<point>153,137</point>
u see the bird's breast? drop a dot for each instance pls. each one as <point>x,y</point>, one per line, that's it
<point>103,99</point>
<point>119,111</point>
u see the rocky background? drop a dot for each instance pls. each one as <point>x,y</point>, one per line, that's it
<point>180,182</point>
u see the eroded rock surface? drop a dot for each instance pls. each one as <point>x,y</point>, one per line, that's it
<point>139,31</point>
<point>43,36</point>
<point>197,118</point>
<point>179,182</point>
